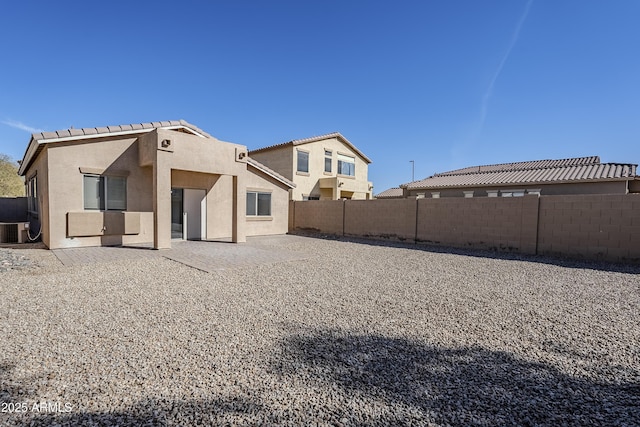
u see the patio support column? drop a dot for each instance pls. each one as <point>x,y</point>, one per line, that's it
<point>162,201</point>
<point>238,233</point>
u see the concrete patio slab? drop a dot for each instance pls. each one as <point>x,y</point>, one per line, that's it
<point>202,255</point>
<point>101,254</point>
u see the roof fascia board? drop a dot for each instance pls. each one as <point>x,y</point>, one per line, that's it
<point>31,149</point>
<point>195,132</point>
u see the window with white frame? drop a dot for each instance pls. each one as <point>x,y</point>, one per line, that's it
<point>328,159</point>
<point>105,193</point>
<point>32,195</point>
<point>258,203</point>
<point>512,193</point>
<point>346,165</point>
<point>303,161</point>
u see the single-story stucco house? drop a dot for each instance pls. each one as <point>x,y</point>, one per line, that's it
<point>578,175</point>
<point>148,183</point>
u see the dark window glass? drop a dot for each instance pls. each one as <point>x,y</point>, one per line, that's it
<point>303,161</point>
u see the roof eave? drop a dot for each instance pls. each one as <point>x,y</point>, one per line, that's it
<point>28,154</point>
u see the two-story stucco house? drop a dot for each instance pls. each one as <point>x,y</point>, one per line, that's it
<point>326,167</point>
<point>148,183</point>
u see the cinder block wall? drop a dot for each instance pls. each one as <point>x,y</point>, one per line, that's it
<point>506,224</point>
<point>586,226</point>
<point>591,226</point>
<point>322,216</point>
<point>387,219</point>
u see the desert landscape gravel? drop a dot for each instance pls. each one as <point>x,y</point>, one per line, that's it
<point>356,333</point>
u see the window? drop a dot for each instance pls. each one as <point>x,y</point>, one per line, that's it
<point>105,193</point>
<point>346,165</point>
<point>32,195</point>
<point>258,204</point>
<point>303,161</point>
<point>310,197</point>
<point>512,193</point>
<point>327,160</point>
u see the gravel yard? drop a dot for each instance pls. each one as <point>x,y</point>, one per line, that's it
<point>354,334</point>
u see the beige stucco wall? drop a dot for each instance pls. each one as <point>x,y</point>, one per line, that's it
<point>113,156</point>
<point>279,159</point>
<point>284,160</point>
<point>277,223</point>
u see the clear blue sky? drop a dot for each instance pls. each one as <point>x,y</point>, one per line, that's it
<point>447,83</point>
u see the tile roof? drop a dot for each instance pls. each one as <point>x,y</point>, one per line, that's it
<point>39,139</point>
<point>391,193</point>
<point>256,164</point>
<point>135,127</point>
<point>295,142</point>
<point>579,169</point>
<point>535,164</point>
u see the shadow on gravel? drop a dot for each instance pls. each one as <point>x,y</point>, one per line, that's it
<point>629,268</point>
<point>371,380</point>
<point>12,390</point>
<point>466,387</point>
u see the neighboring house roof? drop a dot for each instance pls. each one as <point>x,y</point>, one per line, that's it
<point>295,142</point>
<point>579,169</point>
<point>38,139</point>
<point>391,193</point>
<point>256,164</point>
<point>534,164</point>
